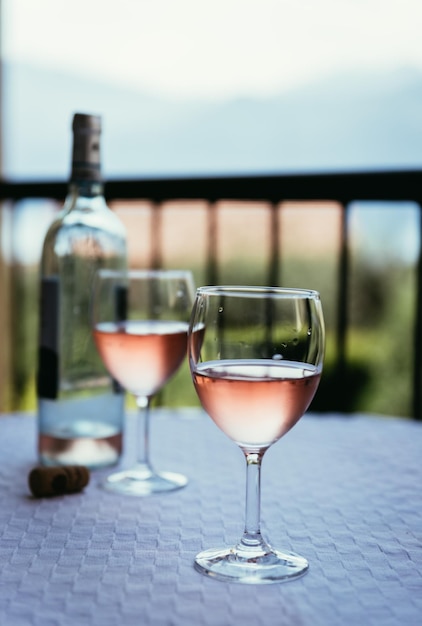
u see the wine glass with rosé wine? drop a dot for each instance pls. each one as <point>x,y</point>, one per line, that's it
<point>140,323</point>
<point>255,355</point>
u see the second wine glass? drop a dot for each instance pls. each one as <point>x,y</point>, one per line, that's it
<point>140,323</point>
<point>256,356</point>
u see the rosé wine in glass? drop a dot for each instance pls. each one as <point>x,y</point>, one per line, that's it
<point>255,402</point>
<point>142,354</point>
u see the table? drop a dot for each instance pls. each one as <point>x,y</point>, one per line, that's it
<point>344,491</point>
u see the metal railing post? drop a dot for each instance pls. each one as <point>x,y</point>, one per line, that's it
<point>211,272</point>
<point>343,294</point>
<point>417,332</point>
<point>156,236</point>
<point>274,261</point>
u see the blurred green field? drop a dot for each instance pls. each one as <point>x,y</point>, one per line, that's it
<point>379,355</point>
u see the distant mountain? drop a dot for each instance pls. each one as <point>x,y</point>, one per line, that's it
<point>344,122</point>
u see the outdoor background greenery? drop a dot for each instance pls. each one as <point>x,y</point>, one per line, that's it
<point>378,375</point>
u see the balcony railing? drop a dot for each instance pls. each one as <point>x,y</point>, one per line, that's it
<point>343,189</point>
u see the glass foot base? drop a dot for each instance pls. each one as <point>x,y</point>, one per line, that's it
<point>143,482</point>
<point>231,564</point>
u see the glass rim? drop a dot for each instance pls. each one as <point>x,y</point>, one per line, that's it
<point>257,290</point>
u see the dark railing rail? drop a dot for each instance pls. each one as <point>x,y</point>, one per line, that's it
<point>343,188</point>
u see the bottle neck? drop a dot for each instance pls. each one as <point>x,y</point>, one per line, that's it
<point>86,177</point>
<point>86,188</point>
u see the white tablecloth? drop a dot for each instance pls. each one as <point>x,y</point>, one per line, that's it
<point>345,492</point>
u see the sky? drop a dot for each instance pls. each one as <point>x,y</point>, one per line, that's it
<point>213,48</point>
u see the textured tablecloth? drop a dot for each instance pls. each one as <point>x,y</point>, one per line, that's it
<point>345,492</point>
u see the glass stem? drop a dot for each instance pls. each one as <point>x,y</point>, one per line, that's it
<point>143,404</point>
<point>252,538</point>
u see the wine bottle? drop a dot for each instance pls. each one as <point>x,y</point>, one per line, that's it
<point>80,408</point>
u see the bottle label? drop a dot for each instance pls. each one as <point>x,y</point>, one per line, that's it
<point>121,303</point>
<point>48,360</point>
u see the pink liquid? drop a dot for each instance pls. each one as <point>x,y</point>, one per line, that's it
<point>91,451</point>
<point>142,355</point>
<point>255,402</point>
